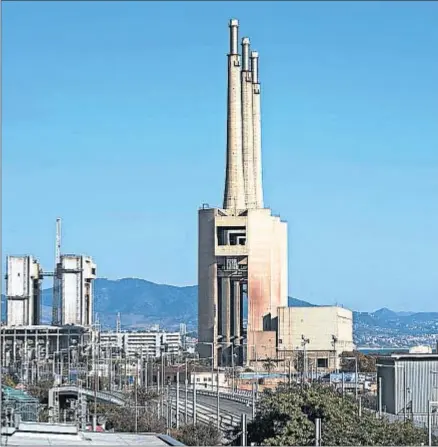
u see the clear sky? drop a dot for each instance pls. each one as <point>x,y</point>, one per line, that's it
<point>114,118</point>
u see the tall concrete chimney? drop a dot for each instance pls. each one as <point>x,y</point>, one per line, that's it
<point>257,133</point>
<point>234,195</point>
<point>247,127</point>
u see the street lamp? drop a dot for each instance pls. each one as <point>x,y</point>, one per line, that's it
<point>334,341</point>
<point>304,341</point>
<point>431,405</point>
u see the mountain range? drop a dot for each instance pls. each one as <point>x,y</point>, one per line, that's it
<point>142,303</point>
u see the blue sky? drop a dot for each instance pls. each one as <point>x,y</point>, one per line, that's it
<point>114,119</point>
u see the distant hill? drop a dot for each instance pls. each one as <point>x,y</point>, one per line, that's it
<point>143,303</point>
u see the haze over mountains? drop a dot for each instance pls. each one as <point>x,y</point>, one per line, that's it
<point>143,303</point>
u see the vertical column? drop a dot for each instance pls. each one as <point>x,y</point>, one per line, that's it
<point>236,309</point>
<point>226,305</point>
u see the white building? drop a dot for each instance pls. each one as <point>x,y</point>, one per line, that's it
<point>205,379</point>
<point>73,290</point>
<point>323,331</point>
<point>23,291</point>
<point>148,343</point>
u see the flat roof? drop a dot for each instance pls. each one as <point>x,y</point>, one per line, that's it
<point>89,438</point>
<point>406,356</point>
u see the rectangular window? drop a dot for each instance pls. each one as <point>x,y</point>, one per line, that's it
<point>322,363</point>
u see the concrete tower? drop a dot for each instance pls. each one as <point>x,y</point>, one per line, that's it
<point>242,252</point>
<point>257,130</point>
<point>234,195</point>
<point>74,275</point>
<point>247,126</point>
<point>23,291</point>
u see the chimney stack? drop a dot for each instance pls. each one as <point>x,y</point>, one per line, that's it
<point>247,126</point>
<point>234,194</point>
<point>257,137</point>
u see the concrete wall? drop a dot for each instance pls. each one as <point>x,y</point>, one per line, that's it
<point>261,345</point>
<point>318,324</point>
<point>207,282</point>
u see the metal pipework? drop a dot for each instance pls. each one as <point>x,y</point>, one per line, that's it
<point>234,36</point>
<point>255,67</point>
<point>245,54</point>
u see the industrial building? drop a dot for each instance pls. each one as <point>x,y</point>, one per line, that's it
<point>242,252</point>
<point>406,385</point>
<point>28,347</point>
<point>73,290</point>
<point>147,343</point>
<point>22,347</point>
<point>323,332</point>
<point>23,290</point>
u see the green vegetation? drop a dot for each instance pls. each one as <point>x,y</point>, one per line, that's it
<point>287,417</point>
<point>269,365</point>
<point>198,435</point>
<point>365,363</point>
<point>40,390</point>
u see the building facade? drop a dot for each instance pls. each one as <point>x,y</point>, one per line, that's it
<point>23,290</point>
<point>324,332</point>
<point>407,383</point>
<point>73,290</point>
<point>145,343</point>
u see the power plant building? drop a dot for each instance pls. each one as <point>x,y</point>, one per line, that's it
<point>325,332</point>
<point>242,252</point>
<point>73,290</point>
<point>23,291</point>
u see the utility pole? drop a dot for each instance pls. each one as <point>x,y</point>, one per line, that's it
<point>177,398</point>
<point>232,368</point>
<point>186,403</point>
<point>218,400</point>
<point>194,398</point>
<point>243,430</point>
<point>1,384</point>
<point>136,403</point>
<point>380,397</point>
<point>356,378</point>
<point>317,431</point>
<point>305,341</point>
<point>429,422</point>
<point>253,402</point>
<point>95,387</point>
<point>343,384</point>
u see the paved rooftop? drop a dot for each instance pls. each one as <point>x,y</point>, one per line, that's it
<point>87,438</point>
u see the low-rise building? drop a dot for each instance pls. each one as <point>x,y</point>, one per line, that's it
<point>407,383</point>
<point>316,336</point>
<point>149,343</point>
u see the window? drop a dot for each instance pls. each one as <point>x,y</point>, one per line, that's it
<point>322,363</point>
